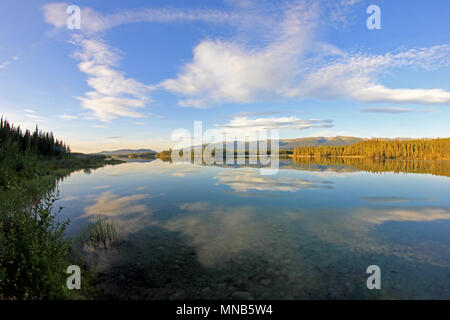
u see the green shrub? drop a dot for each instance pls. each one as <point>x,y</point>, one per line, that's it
<point>34,254</point>
<point>33,251</point>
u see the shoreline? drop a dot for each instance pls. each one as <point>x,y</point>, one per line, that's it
<point>366,157</point>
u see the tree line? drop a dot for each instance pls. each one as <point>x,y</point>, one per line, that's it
<point>439,168</point>
<point>424,149</point>
<point>38,142</point>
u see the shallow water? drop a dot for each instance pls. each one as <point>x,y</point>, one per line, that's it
<point>308,232</point>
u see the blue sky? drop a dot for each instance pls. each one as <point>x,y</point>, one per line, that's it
<point>136,71</point>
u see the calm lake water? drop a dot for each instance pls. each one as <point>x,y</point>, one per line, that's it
<point>308,232</point>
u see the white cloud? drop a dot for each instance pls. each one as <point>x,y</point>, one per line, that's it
<point>114,95</point>
<point>246,125</point>
<point>243,128</point>
<point>4,64</point>
<point>355,77</point>
<point>275,55</point>
<point>339,12</point>
<point>94,22</point>
<point>295,65</point>
<point>379,93</point>
<point>255,114</point>
<point>225,71</point>
<point>34,116</point>
<point>30,113</point>
<point>67,117</point>
<point>387,110</point>
<point>55,13</point>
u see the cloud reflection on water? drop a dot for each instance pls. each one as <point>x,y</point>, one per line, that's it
<point>417,214</point>
<point>110,204</point>
<point>246,180</point>
<point>220,234</point>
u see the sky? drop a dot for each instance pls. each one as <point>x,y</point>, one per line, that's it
<point>137,71</point>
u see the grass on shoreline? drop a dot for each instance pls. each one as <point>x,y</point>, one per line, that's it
<point>34,253</point>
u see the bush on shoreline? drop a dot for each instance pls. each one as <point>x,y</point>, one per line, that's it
<point>34,253</point>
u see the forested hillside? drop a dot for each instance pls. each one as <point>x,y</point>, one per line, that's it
<point>425,149</point>
<point>290,144</point>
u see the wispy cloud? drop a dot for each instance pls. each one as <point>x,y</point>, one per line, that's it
<point>296,65</point>
<point>387,110</point>
<point>114,95</point>
<point>355,77</point>
<point>254,114</point>
<point>55,13</point>
<point>283,59</point>
<point>227,71</point>
<point>339,11</point>
<point>94,21</point>
<point>67,117</point>
<point>4,64</point>
<point>32,114</point>
<point>244,125</point>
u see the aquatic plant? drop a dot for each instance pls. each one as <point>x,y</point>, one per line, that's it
<point>102,232</point>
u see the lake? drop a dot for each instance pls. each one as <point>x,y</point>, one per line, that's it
<point>308,232</point>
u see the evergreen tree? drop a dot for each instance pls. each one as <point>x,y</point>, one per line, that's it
<point>40,143</point>
<point>426,149</point>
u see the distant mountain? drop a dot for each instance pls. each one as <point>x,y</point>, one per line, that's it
<point>125,151</point>
<point>289,144</point>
